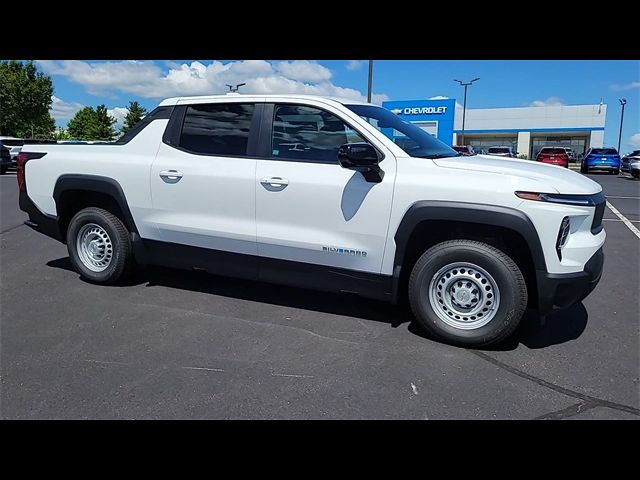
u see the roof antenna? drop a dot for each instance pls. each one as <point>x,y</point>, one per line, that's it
<point>233,89</point>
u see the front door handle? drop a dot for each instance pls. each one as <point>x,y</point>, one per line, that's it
<point>275,182</point>
<point>171,176</point>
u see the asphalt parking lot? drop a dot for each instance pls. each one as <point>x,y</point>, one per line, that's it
<point>173,344</point>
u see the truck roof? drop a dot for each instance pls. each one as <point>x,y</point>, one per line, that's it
<point>253,96</point>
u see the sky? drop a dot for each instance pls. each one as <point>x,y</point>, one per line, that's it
<point>503,83</point>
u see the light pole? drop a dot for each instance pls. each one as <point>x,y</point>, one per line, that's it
<point>370,81</point>
<point>464,103</point>
<point>623,102</point>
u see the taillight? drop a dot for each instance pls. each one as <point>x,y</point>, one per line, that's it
<point>23,158</point>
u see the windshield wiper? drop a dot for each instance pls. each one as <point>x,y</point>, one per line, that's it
<point>439,155</point>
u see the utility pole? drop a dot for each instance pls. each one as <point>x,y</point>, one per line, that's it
<point>623,102</point>
<point>370,81</point>
<point>464,105</point>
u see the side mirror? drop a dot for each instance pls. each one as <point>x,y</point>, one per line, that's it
<point>362,158</point>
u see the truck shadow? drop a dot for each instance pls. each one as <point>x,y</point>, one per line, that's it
<point>558,328</point>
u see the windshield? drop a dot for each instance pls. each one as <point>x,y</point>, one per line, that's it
<point>415,141</point>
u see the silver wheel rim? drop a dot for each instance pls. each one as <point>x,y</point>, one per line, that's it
<point>94,247</point>
<point>464,296</point>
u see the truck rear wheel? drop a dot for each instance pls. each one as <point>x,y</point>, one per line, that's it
<point>99,246</point>
<point>467,293</point>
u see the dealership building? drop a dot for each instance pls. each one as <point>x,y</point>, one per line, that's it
<point>525,129</point>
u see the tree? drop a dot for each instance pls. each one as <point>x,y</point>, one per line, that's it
<point>80,125</point>
<point>61,134</point>
<point>90,124</point>
<point>25,100</point>
<point>103,124</point>
<point>134,115</point>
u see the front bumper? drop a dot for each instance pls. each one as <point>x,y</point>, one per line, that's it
<point>604,166</point>
<point>557,291</point>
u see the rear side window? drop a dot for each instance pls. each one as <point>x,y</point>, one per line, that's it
<point>309,134</point>
<point>604,151</point>
<point>217,129</point>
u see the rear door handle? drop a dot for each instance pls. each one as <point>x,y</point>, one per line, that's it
<point>275,182</point>
<point>171,176</point>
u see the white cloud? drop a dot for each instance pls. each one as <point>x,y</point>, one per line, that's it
<point>118,113</point>
<point>61,110</point>
<point>304,70</point>
<point>549,102</point>
<point>99,77</point>
<point>628,86</point>
<point>634,140</point>
<point>443,97</point>
<point>355,64</point>
<point>147,80</point>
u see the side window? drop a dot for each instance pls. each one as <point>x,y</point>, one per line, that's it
<point>217,129</point>
<point>309,134</point>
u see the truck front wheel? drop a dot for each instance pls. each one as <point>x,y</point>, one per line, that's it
<point>467,293</point>
<point>99,246</point>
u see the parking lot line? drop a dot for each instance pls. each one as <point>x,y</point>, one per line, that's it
<point>626,221</point>
<point>618,220</point>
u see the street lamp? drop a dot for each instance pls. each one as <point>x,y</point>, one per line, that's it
<point>235,89</point>
<point>370,81</point>
<point>464,104</point>
<point>623,102</point>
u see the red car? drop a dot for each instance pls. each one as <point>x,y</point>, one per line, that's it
<point>554,156</point>
<point>464,150</point>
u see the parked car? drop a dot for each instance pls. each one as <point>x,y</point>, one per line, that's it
<point>630,164</point>
<point>553,156</point>
<point>5,159</point>
<point>501,152</point>
<point>14,145</point>
<point>464,150</point>
<point>606,159</point>
<point>306,191</point>
<point>571,154</point>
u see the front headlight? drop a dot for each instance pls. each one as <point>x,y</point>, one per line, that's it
<point>566,199</point>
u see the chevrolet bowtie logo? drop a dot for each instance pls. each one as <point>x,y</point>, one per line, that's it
<point>397,111</point>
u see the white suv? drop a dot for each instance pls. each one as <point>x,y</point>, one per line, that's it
<point>313,192</point>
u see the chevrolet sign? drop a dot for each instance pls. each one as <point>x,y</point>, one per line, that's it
<point>420,110</point>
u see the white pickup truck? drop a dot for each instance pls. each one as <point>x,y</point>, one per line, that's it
<point>315,192</point>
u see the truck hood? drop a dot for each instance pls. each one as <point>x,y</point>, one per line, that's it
<point>562,180</point>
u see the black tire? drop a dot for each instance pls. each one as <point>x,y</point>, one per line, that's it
<point>508,277</point>
<point>616,171</point>
<point>3,169</point>
<point>584,169</point>
<point>122,258</point>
